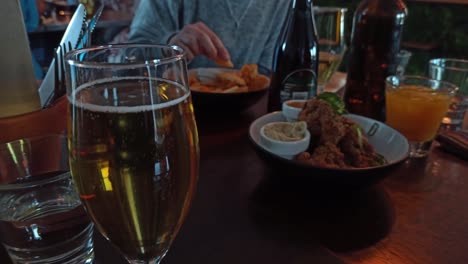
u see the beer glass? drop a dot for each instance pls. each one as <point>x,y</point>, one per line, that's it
<point>133,143</point>
<point>330,23</point>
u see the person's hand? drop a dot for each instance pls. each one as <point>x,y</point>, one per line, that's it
<point>197,39</point>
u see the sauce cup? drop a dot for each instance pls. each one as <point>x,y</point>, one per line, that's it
<point>292,108</point>
<point>285,149</point>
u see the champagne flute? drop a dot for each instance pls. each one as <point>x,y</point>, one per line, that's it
<point>133,143</point>
<point>330,23</point>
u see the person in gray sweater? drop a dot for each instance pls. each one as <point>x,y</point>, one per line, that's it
<point>241,31</point>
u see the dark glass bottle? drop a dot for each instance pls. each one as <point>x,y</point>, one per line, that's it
<point>295,62</point>
<point>375,43</point>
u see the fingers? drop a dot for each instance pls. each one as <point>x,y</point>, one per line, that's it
<point>188,53</point>
<point>197,39</point>
<point>222,52</point>
<point>207,47</point>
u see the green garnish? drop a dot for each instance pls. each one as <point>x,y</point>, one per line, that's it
<point>379,160</point>
<point>335,102</point>
<point>359,134</point>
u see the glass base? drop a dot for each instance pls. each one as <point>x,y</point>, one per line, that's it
<point>156,260</point>
<point>153,261</point>
<point>143,262</point>
<point>78,249</point>
<point>457,113</point>
<point>420,149</point>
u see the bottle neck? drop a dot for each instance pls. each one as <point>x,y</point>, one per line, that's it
<point>395,9</point>
<point>302,5</point>
<point>384,7</point>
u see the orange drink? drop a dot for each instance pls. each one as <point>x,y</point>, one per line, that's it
<point>415,106</point>
<point>416,111</point>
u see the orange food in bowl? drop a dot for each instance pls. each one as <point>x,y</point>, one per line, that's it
<point>247,79</point>
<point>224,63</point>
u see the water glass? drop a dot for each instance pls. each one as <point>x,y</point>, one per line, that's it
<point>330,23</point>
<point>41,216</point>
<point>403,58</point>
<point>454,71</point>
<point>415,105</point>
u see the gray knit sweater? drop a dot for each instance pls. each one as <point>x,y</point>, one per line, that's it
<point>248,28</point>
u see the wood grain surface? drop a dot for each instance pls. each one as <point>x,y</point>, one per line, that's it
<point>244,213</point>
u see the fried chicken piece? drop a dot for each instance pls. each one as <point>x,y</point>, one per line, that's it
<point>224,63</point>
<point>332,130</point>
<point>336,141</point>
<point>357,149</point>
<point>236,89</point>
<point>200,87</point>
<point>193,78</point>
<point>229,79</point>
<point>311,113</point>
<point>249,71</point>
<point>322,121</point>
<point>255,81</point>
<point>303,156</point>
<point>326,155</point>
<point>258,82</point>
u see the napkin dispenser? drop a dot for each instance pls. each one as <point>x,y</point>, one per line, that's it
<point>18,87</point>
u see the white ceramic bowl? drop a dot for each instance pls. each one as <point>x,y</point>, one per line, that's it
<point>285,149</point>
<point>386,141</point>
<point>291,112</point>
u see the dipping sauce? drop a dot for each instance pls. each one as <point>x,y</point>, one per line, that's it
<point>286,131</point>
<point>296,104</point>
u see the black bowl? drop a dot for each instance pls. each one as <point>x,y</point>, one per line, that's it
<point>387,142</point>
<point>227,102</point>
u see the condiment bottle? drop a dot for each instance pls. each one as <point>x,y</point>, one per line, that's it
<point>295,62</point>
<point>375,43</point>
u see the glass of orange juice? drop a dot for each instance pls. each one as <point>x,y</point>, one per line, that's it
<point>415,106</point>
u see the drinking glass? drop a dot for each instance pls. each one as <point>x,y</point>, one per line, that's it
<point>330,23</point>
<point>403,57</point>
<point>41,216</point>
<point>454,71</point>
<point>133,143</point>
<point>415,105</point>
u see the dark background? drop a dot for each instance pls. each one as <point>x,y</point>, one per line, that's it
<point>435,28</point>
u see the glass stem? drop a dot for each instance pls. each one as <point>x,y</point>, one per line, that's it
<point>153,261</point>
